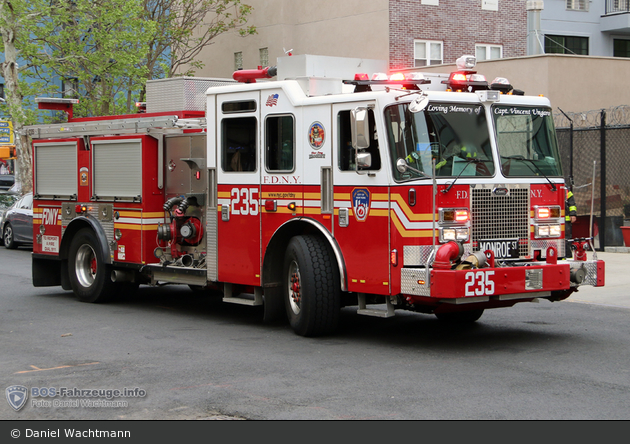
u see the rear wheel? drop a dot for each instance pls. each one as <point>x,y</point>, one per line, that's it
<point>7,236</point>
<point>90,276</point>
<point>460,317</point>
<point>311,286</point>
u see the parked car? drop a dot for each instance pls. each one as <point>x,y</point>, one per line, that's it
<point>17,223</point>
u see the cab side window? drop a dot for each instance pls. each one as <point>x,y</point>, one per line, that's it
<point>238,144</point>
<point>347,157</point>
<point>280,145</point>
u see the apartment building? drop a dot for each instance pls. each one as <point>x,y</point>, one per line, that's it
<point>406,33</point>
<point>584,27</point>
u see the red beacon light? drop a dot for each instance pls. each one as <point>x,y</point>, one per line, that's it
<point>362,76</point>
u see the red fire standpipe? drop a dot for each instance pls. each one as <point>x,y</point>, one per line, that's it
<point>446,254</point>
<point>250,75</point>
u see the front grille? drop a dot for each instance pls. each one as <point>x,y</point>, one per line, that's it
<point>496,216</point>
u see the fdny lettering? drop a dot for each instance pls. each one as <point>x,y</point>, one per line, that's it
<point>281,179</point>
<point>244,201</point>
<point>462,194</point>
<point>49,216</point>
<point>535,193</point>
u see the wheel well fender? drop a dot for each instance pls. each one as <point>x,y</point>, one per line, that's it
<point>82,222</point>
<point>274,254</point>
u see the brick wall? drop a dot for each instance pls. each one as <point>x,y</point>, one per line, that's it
<point>459,24</point>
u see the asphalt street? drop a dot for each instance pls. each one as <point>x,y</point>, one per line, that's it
<point>199,359</point>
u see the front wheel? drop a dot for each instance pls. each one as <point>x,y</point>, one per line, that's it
<point>7,237</point>
<point>312,286</point>
<point>90,276</point>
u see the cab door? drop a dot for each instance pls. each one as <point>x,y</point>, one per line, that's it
<point>361,201</point>
<point>282,175</point>
<point>238,179</point>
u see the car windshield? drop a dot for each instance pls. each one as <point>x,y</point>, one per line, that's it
<point>455,135</point>
<point>527,142</point>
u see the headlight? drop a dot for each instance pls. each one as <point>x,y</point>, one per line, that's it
<point>547,231</point>
<point>458,234</point>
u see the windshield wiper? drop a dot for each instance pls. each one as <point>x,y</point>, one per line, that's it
<point>520,157</point>
<point>468,162</point>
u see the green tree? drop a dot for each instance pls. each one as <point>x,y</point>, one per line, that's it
<point>100,44</point>
<point>109,48</point>
<point>14,16</point>
<point>184,28</point>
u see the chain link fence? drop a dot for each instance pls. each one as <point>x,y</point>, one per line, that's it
<point>598,141</point>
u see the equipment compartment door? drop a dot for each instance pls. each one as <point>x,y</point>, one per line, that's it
<point>238,176</point>
<point>361,200</point>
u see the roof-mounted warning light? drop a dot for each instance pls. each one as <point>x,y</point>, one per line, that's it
<point>250,75</point>
<point>468,81</point>
<point>141,107</point>
<point>466,62</point>
<point>409,81</point>
<point>58,104</point>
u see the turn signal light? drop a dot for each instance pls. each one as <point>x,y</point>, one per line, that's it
<point>547,212</point>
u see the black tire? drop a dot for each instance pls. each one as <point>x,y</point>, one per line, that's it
<point>312,289</point>
<point>8,238</point>
<point>90,276</point>
<point>460,317</point>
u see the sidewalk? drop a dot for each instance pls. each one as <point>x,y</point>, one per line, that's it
<point>616,291</point>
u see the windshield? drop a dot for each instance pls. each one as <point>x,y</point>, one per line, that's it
<point>527,142</point>
<point>455,135</point>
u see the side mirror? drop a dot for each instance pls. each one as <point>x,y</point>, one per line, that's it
<point>364,160</point>
<point>419,103</point>
<point>401,165</point>
<point>360,128</point>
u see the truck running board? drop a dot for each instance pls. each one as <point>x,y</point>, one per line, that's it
<point>387,313</point>
<point>243,299</point>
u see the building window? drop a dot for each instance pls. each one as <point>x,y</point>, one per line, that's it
<point>488,52</point>
<point>427,53</point>
<point>577,5</point>
<point>621,48</point>
<point>565,44</point>
<point>490,5</point>
<point>430,2</point>
<point>264,56</point>
<point>238,60</point>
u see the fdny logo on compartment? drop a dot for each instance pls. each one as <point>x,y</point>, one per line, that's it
<point>316,135</point>
<point>272,100</point>
<point>361,203</point>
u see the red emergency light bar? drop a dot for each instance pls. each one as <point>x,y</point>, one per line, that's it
<point>250,75</point>
<point>409,81</point>
<point>58,104</point>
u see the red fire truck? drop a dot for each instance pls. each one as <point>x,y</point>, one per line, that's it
<point>440,195</point>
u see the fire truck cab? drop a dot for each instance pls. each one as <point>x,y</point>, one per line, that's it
<point>440,195</point>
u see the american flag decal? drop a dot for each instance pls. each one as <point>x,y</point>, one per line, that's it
<point>272,100</point>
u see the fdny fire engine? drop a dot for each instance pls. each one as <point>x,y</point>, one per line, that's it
<point>440,195</point>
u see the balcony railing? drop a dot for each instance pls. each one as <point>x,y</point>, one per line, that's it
<point>617,6</point>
